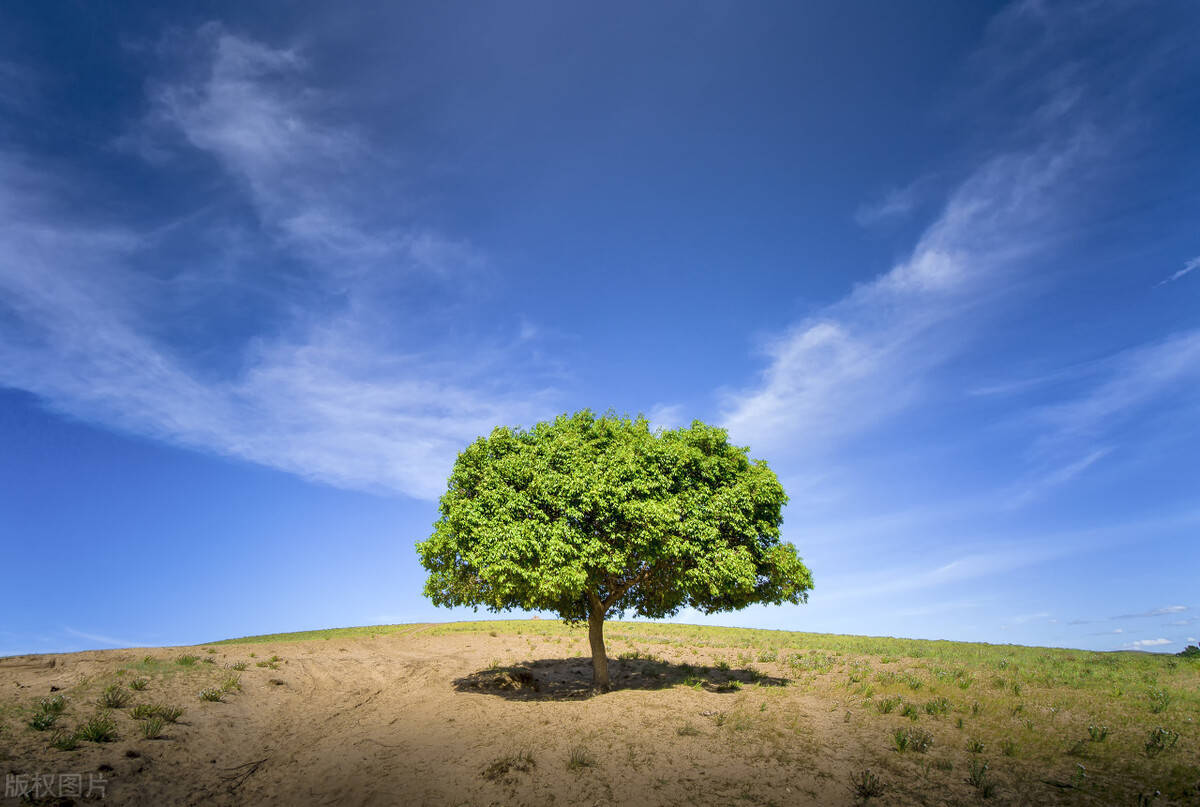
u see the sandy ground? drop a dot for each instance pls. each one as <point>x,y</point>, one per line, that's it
<point>430,719</point>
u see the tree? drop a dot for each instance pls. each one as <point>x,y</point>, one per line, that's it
<point>588,516</point>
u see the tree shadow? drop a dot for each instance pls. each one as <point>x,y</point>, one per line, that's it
<point>571,679</point>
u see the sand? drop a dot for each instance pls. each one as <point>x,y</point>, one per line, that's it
<point>414,718</point>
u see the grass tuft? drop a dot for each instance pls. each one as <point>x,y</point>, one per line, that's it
<point>866,786</point>
<point>152,729</point>
<point>114,696</point>
<point>580,759</point>
<point>101,728</point>
<point>213,695</point>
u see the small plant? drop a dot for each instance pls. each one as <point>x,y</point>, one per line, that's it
<point>886,705</point>
<point>143,711</point>
<point>866,786</point>
<point>147,660</point>
<point>64,740</point>
<point>1160,740</point>
<point>912,740</point>
<point>580,759</point>
<point>958,724</point>
<point>152,729</point>
<point>138,684</point>
<point>687,730</point>
<point>213,695</point>
<point>187,660</point>
<point>943,764</point>
<point>99,729</point>
<point>239,667</point>
<point>171,714</point>
<point>1159,699</point>
<point>978,779</point>
<point>498,770</point>
<point>55,705</point>
<point>41,721</point>
<point>209,660</point>
<point>1097,734</point>
<point>937,706</point>
<point>114,696</point>
<point>231,683</point>
<point>910,711</point>
<point>1008,748</point>
<point>209,650</point>
<point>975,746</point>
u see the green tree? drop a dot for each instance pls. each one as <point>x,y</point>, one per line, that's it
<point>588,516</point>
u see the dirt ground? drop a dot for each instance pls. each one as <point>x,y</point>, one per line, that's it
<point>418,718</point>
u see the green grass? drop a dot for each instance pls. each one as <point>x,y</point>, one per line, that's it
<point>101,728</point>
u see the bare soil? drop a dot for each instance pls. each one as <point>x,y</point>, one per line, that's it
<point>469,718</point>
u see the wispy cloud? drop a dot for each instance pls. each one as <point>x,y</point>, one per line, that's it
<point>896,203</point>
<point>1188,267</point>
<point>337,388</point>
<point>1141,644</point>
<point>101,639</point>
<point>1164,611</point>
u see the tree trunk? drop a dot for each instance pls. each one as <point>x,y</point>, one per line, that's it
<point>599,656</point>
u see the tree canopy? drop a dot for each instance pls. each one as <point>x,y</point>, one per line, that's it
<point>591,515</point>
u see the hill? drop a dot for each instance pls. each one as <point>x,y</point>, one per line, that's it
<point>501,713</point>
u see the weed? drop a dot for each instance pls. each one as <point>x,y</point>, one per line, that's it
<point>213,695</point>
<point>209,650</point>
<point>978,779</point>
<point>171,714</point>
<point>114,697</point>
<point>912,740</point>
<point>209,660</point>
<point>1097,734</point>
<point>231,683</point>
<point>152,729</point>
<point>937,706</point>
<point>42,721</point>
<point>910,711</point>
<point>580,759</point>
<point>1160,740</point>
<point>1008,748</point>
<point>138,684</point>
<point>239,666</point>
<point>64,740</point>
<point>943,764</point>
<point>886,705</point>
<point>687,730</point>
<point>866,786</point>
<point>187,660</point>
<point>975,746</point>
<point>101,728</point>
<point>147,660</point>
<point>55,705</point>
<point>1159,699</point>
<point>498,770</point>
<point>958,724</point>
<point>143,711</point>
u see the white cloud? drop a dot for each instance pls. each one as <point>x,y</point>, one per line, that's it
<point>1143,643</point>
<point>866,357</point>
<point>666,416</point>
<point>336,393</point>
<point>101,639</point>
<point>1167,609</point>
<point>897,203</point>
<point>1188,267</point>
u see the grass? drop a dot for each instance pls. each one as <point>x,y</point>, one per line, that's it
<point>866,786</point>
<point>212,694</point>
<point>152,728</point>
<point>579,759</point>
<point>65,740</point>
<point>138,684</point>
<point>912,739</point>
<point>499,769</point>
<point>101,728</point>
<point>187,660</point>
<point>114,696</point>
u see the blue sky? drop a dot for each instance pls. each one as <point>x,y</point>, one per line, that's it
<point>262,275</point>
